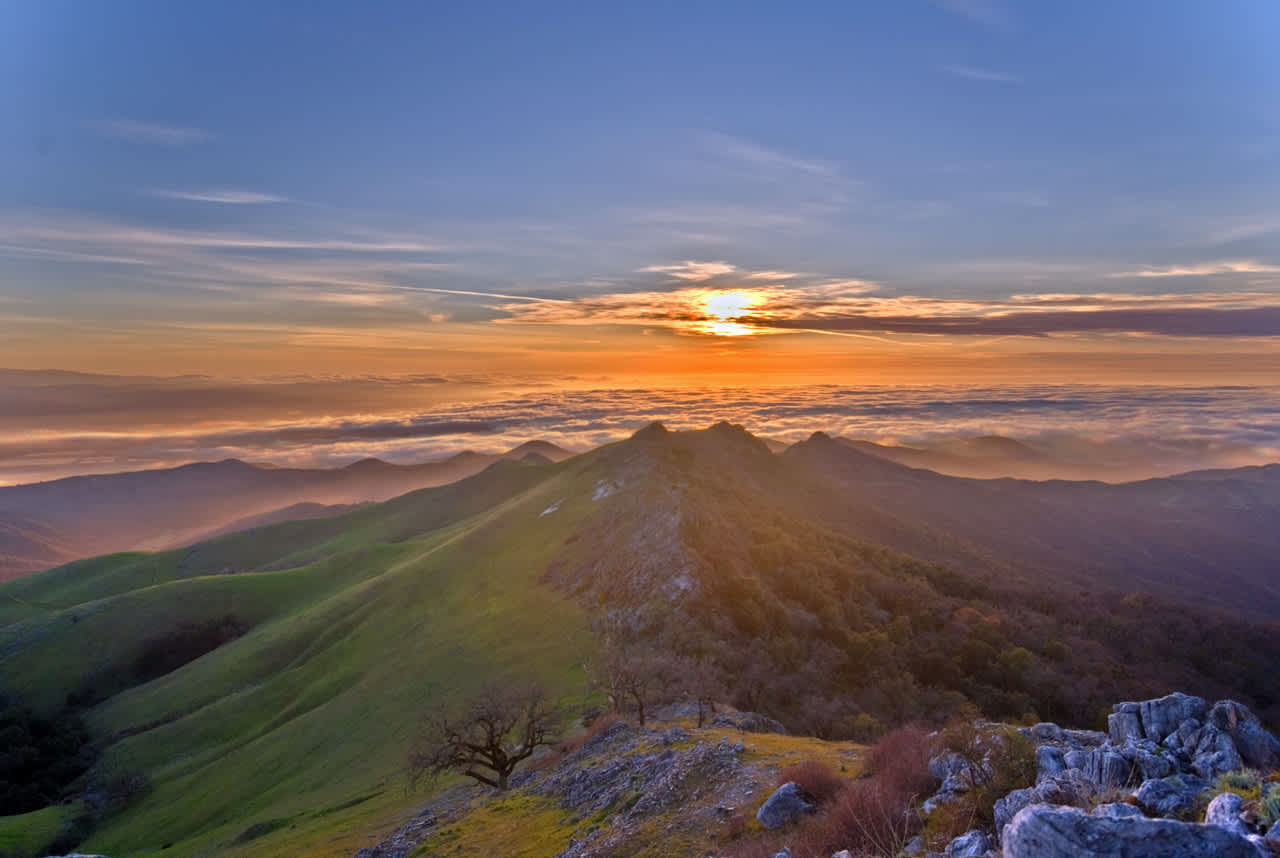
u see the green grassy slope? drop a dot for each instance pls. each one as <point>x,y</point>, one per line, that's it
<point>358,623</point>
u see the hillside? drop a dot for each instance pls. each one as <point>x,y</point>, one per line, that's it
<point>47,524</point>
<point>769,571</point>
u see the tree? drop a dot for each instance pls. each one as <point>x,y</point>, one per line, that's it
<point>485,739</point>
<point>633,676</point>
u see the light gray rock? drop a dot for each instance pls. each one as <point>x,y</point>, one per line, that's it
<point>945,765</point>
<point>1257,747</point>
<point>1149,758</point>
<point>1117,810</point>
<point>784,806</point>
<point>1171,797</point>
<point>785,853</point>
<point>1215,754</point>
<point>843,853</point>
<point>914,847</point>
<point>1162,716</point>
<point>1107,767</point>
<point>1076,759</point>
<point>1123,725</point>
<point>1007,808</point>
<point>971,844</point>
<point>1224,811</point>
<point>1049,762</point>
<point>1045,831</point>
<point>1069,788</point>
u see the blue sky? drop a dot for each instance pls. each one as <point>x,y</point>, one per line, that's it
<point>304,175</point>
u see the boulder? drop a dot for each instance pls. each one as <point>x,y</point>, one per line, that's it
<point>1224,811</point>
<point>1257,747</point>
<point>1045,831</point>
<point>1070,788</point>
<point>971,844</point>
<point>1107,768</point>
<point>1171,797</point>
<point>1049,762</point>
<point>1125,724</point>
<point>1162,716</point>
<point>784,806</point>
<point>1215,754</point>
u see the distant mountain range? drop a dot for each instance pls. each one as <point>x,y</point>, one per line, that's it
<point>48,524</point>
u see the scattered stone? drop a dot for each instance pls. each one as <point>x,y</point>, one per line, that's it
<point>785,805</point>
<point>1045,831</point>
<point>971,844</point>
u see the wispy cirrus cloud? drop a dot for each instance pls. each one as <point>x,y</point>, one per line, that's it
<point>989,14</point>
<point>981,74</point>
<point>1203,269</point>
<point>771,161</point>
<point>691,270</point>
<point>224,196</point>
<point>119,236</point>
<point>154,133</point>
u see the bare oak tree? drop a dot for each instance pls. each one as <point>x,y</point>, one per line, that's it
<point>485,739</point>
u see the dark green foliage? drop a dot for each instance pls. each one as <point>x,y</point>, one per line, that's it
<point>830,635</point>
<point>39,757</point>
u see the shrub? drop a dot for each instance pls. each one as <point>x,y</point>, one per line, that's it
<point>1245,783</point>
<point>901,761</point>
<point>1269,805</point>
<point>1000,759</point>
<point>818,781</point>
<point>867,818</point>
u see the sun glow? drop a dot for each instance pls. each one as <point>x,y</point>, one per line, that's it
<point>722,308</point>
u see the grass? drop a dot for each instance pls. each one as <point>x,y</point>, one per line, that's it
<point>295,733</point>
<point>25,835</point>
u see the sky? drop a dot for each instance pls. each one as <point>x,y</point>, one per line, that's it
<point>597,194</point>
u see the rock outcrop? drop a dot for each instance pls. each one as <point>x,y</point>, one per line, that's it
<point>1164,753</point>
<point>1047,831</point>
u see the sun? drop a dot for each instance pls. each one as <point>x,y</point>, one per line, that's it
<point>722,308</point>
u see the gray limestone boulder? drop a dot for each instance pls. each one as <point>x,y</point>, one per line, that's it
<point>1257,747</point>
<point>1215,754</point>
<point>1049,762</point>
<point>1224,811</point>
<point>784,806</point>
<point>1045,831</point>
<point>971,844</point>
<point>1163,715</point>
<point>1171,797</point>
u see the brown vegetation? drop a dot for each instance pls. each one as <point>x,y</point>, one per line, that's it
<point>872,817</point>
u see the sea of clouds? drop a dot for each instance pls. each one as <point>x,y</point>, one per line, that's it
<point>1174,428</point>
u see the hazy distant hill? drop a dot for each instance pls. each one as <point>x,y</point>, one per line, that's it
<point>1210,537</point>
<point>1064,457</point>
<point>47,524</point>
